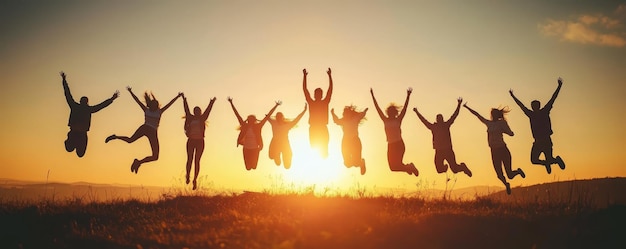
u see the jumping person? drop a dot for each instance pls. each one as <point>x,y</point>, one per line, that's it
<point>395,144</point>
<point>318,115</point>
<point>250,135</point>
<point>80,119</point>
<point>541,127</point>
<point>442,142</point>
<point>152,117</point>
<point>351,143</point>
<point>280,139</point>
<point>195,125</point>
<point>500,154</point>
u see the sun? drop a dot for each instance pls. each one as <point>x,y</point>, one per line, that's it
<point>309,168</point>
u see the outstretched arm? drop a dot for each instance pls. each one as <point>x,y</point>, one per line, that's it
<point>481,118</point>
<point>380,112</point>
<point>555,94</point>
<point>66,90</point>
<point>456,112</point>
<point>305,89</point>
<point>269,114</point>
<point>422,118</point>
<point>207,111</point>
<point>186,106</point>
<point>335,118</point>
<point>519,103</point>
<point>130,90</point>
<point>230,100</point>
<point>329,92</point>
<point>105,103</point>
<point>171,102</point>
<point>297,119</point>
<point>406,103</point>
<point>362,114</point>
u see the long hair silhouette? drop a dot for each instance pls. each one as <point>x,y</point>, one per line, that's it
<point>351,143</point>
<point>195,124</point>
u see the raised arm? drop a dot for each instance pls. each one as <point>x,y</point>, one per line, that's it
<point>406,103</point>
<point>519,103</point>
<point>305,89</point>
<point>481,118</point>
<point>378,110</point>
<point>297,119</point>
<point>66,90</point>
<point>456,112</point>
<point>171,102</point>
<point>230,100</point>
<point>555,94</point>
<point>130,90</point>
<point>329,92</point>
<point>362,114</point>
<point>269,114</point>
<point>335,118</point>
<point>186,107</point>
<point>105,103</point>
<point>422,118</point>
<point>207,111</point>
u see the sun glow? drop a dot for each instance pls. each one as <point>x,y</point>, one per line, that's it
<point>309,168</point>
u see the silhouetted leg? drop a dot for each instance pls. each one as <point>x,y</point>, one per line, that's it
<point>143,130</point>
<point>154,144</point>
<point>287,155</point>
<point>81,143</point>
<point>274,151</point>
<point>69,142</point>
<point>190,151</point>
<point>506,159</point>
<point>497,159</point>
<point>345,152</point>
<point>199,151</point>
<point>535,152</point>
<point>439,165</point>
<point>251,158</point>
<point>395,153</point>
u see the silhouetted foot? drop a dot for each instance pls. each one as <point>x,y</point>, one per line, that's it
<point>187,177</point>
<point>560,162</point>
<point>135,166</point>
<point>362,166</point>
<point>195,185</point>
<point>109,138</point>
<point>414,170</point>
<point>521,173</point>
<point>508,188</point>
<point>548,168</point>
<point>466,170</point>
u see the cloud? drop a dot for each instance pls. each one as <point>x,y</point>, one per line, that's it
<point>592,29</point>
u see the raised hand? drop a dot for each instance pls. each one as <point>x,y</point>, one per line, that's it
<point>465,105</point>
<point>230,99</point>
<point>180,94</point>
<point>372,91</point>
<point>213,99</point>
<point>278,102</point>
<point>511,92</point>
<point>560,80</point>
<point>459,100</point>
<point>304,72</point>
<point>329,71</point>
<point>409,90</point>
<point>62,75</point>
<point>415,109</point>
<point>130,89</point>
<point>116,94</point>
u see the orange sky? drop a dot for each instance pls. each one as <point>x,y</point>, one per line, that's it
<point>255,53</point>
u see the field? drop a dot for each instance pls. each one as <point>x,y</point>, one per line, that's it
<point>261,220</point>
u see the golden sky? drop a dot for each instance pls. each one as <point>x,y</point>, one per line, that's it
<point>254,51</point>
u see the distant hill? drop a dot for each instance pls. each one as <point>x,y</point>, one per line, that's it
<point>599,192</point>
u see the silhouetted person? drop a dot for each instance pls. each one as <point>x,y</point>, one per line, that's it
<point>442,142</point>
<point>80,119</point>
<point>250,135</point>
<point>152,114</point>
<point>318,114</point>
<point>280,140</point>
<point>500,154</point>
<point>395,144</point>
<point>195,124</point>
<point>541,127</point>
<point>351,143</point>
